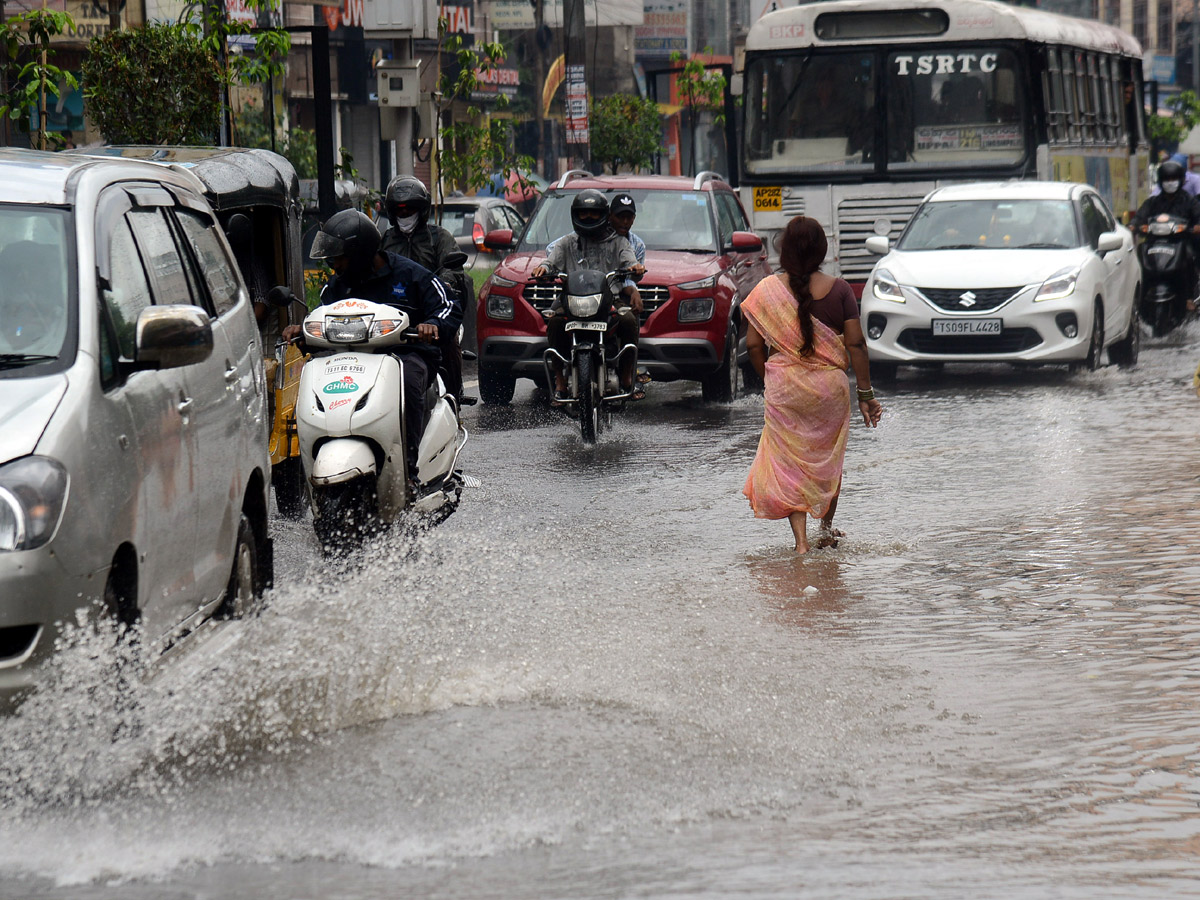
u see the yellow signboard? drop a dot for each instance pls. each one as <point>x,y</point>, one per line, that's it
<point>768,199</point>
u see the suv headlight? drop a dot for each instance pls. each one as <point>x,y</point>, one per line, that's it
<point>497,281</point>
<point>33,494</point>
<point>885,287</point>
<point>1060,284</point>
<point>698,309</point>
<point>499,306</point>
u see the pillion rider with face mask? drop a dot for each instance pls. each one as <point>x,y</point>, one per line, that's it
<point>426,243</point>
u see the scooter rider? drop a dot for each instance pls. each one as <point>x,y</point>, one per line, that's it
<point>1173,200</point>
<point>350,242</point>
<point>594,244</point>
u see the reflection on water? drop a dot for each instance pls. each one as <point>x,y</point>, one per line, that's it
<point>603,677</point>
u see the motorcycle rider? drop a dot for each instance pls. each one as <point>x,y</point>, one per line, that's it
<point>350,242</point>
<point>1173,200</point>
<point>407,203</point>
<point>594,244</point>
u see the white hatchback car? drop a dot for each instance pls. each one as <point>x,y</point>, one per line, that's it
<point>1017,271</point>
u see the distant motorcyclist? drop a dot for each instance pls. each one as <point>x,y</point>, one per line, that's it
<point>1171,199</point>
<point>350,242</point>
<point>407,204</point>
<point>594,244</point>
<point>1191,181</point>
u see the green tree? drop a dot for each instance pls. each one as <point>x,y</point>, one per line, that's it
<point>28,71</point>
<point>701,89</point>
<point>471,150</point>
<point>1185,115</point>
<point>298,145</point>
<point>624,131</point>
<point>179,73</point>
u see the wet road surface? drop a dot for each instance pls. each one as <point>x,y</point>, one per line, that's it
<point>603,678</point>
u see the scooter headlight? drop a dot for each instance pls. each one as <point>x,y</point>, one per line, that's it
<point>1060,284</point>
<point>1161,228</point>
<point>33,494</point>
<point>345,329</point>
<point>584,304</point>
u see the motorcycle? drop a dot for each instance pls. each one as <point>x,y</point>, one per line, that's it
<point>1169,273</point>
<point>593,382</point>
<point>350,422</point>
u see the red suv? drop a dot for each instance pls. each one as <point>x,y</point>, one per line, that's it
<point>701,261</point>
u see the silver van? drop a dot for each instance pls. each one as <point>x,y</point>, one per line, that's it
<point>134,472</point>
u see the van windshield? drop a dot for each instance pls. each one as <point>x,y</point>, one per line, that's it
<point>35,283</point>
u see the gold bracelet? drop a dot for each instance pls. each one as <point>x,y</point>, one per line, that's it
<point>868,394</point>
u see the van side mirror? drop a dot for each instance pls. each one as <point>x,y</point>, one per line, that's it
<point>168,337</point>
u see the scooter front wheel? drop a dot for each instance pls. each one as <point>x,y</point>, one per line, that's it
<point>344,514</point>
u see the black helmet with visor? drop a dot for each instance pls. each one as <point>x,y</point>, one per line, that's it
<point>406,196</point>
<point>589,214</point>
<point>352,234</point>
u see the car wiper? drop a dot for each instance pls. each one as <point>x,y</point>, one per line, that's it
<point>688,250</point>
<point>959,247</point>
<point>1041,245</point>
<point>16,360</point>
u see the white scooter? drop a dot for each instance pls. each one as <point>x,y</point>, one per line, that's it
<point>350,421</point>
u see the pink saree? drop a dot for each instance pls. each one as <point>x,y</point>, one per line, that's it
<point>798,467</point>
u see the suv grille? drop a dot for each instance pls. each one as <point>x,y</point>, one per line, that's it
<point>541,296</point>
<point>983,299</point>
<point>856,222</point>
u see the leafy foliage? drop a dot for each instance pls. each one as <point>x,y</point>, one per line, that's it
<point>298,145</point>
<point>26,39</point>
<point>1185,115</point>
<point>700,90</point>
<point>624,130</point>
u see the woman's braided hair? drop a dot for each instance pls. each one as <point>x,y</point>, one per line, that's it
<point>801,253</point>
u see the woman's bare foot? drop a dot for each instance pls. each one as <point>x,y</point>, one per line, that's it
<point>826,541</point>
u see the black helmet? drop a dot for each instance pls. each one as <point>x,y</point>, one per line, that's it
<point>1170,170</point>
<point>352,234</point>
<point>404,196</point>
<point>589,214</point>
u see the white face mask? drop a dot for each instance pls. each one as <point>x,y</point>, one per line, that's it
<point>1170,187</point>
<point>407,224</point>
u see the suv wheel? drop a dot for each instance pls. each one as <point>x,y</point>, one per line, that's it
<point>724,385</point>
<point>496,388</point>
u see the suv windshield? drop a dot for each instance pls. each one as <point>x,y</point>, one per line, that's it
<point>992,224</point>
<point>35,284</point>
<point>666,220</point>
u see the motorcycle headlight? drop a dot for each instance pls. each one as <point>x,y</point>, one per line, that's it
<point>1060,284</point>
<point>33,494</point>
<point>584,304</point>
<point>885,287</point>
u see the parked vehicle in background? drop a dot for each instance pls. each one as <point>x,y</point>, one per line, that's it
<point>256,196</point>
<point>469,219</point>
<point>1031,271</point>
<point>133,417</point>
<point>854,110</point>
<point>701,262</point>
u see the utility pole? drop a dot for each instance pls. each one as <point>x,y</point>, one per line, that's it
<point>539,81</point>
<point>575,44</point>
<point>1195,47</point>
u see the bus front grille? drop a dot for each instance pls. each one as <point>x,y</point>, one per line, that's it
<point>856,218</point>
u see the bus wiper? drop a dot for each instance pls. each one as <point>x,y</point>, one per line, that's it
<point>16,360</point>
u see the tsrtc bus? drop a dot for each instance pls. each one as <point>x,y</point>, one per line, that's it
<point>853,110</point>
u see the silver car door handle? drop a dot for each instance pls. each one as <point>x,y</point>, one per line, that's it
<point>231,375</point>
<point>185,406</point>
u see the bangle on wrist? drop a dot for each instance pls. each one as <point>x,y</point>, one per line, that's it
<point>868,394</point>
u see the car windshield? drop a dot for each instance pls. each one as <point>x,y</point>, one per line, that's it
<point>458,220</point>
<point>992,225</point>
<point>35,284</point>
<point>666,220</point>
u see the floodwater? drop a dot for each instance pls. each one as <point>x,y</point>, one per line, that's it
<point>603,678</point>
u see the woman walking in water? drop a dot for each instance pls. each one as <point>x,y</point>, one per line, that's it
<point>802,326</point>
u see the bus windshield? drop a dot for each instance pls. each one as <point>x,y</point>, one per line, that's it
<point>946,107</point>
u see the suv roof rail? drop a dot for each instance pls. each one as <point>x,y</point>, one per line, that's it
<point>706,176</point>
<point>573,173</point>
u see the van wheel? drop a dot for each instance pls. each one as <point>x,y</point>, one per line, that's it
<point>120,592</point>
<point>245,587</point>
<point>496,388</point>
<point>288,480</point>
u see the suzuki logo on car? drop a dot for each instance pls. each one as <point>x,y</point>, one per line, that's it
<point>346,386</point>
<point>967,299</point>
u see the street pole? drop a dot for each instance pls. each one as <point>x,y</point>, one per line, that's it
<point>539,82</point>
<point>1195,47</point>
<point>403,135</point>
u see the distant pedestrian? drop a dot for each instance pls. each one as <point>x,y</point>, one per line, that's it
<point>803,333</point>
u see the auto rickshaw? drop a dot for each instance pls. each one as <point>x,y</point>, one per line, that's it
<point>256,196</point>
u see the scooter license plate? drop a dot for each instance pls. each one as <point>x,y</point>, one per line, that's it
<point>947,327</point>
<point>587,326</point>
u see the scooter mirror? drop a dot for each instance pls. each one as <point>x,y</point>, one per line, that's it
<point>454,260</point>
<point>281,296</point>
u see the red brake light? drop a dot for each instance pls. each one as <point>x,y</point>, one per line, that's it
<point>477,235</point>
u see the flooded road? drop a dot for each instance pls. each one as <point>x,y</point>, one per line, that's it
<point>603,678</point>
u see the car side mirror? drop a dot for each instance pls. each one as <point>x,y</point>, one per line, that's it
<point>281,296</point>
<point>745,242</point>
<point>1109,241</point>
<point>499,239</point>
<point>168,337</point>
<point>878,244</point>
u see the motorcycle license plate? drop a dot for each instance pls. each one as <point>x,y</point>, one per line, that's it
<point>948,327</point>
<point>587,326</point>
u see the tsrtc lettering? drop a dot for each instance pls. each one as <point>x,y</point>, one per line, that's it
<point>945,64</point>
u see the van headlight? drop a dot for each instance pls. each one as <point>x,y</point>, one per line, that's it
<point>33,494</point>
<point>1060,284</point>
<point>885,287</point>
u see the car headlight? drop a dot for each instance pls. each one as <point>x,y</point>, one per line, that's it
<point>497,281</point>
<point>499,306</point>
<point>698,309</point>
<point>584,304</point>
<point>33,494</point>
<point>1060,284</point>
<point>698,285</point>
<point>885,287</point>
